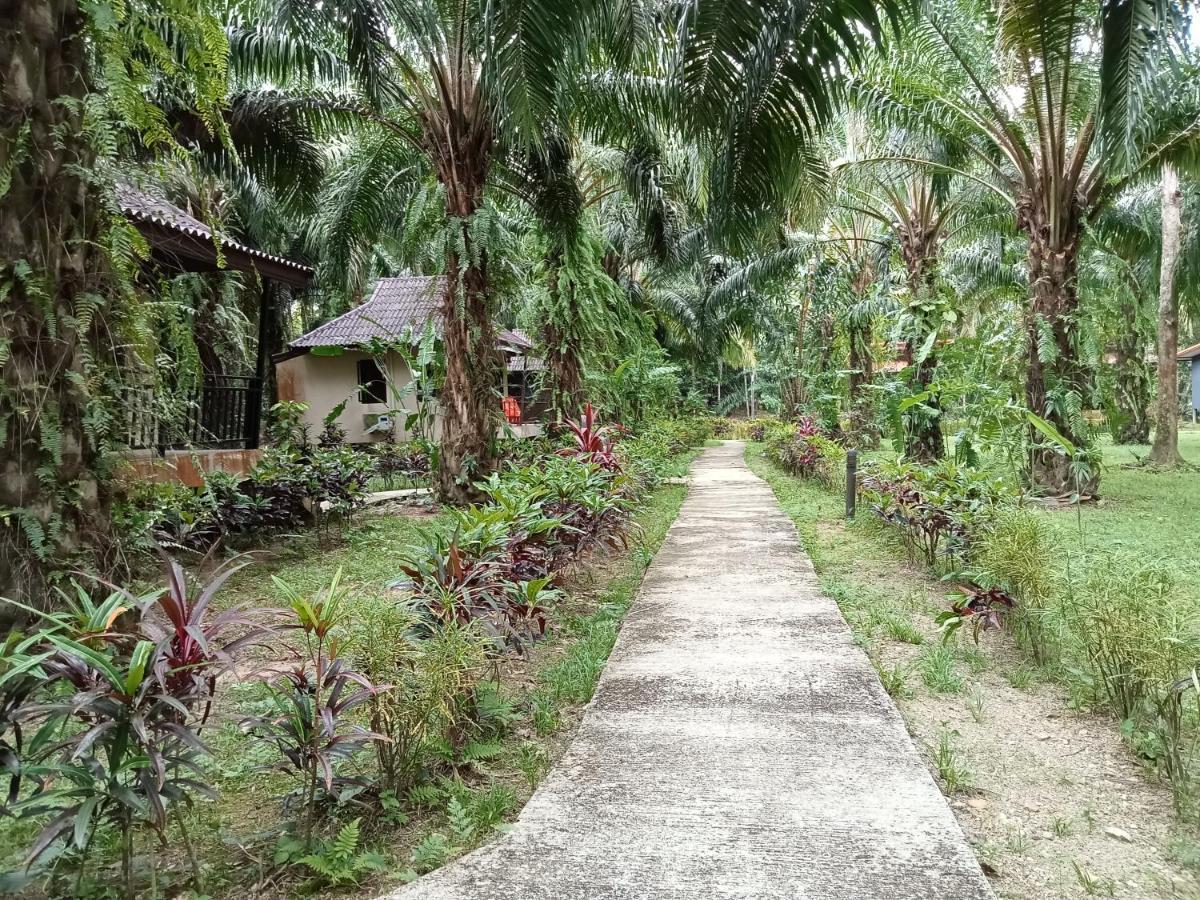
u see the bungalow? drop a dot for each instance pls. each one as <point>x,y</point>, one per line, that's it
<point>330,365</point>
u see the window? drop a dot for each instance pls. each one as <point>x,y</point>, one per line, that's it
<point>372,388</point>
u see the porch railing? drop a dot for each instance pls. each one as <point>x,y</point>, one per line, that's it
<point>225,413</point>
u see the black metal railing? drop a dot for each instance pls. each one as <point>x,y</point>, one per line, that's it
<point>225,413</point>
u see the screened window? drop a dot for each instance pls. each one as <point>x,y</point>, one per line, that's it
<point>372,388</point>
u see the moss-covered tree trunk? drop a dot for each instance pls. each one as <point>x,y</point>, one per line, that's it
<point>1054,383</point>
<point>1131,383</point>
<point>566,374</point>
<point>460,144</point>
<point>923,439</point>
<point>53,513</point>
<point>861,409</point>
<point>560,335</point>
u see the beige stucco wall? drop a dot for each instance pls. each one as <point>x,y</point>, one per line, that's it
<point>325,381</point>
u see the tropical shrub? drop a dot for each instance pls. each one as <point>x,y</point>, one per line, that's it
<point>310,723</point>
<point>1140,640</point>
<point>983,608</point>
<point>393,463</point>
<point>1016,549</point>
<point>656,451</point>
<point>744,429</point>
<point>593,443</point>
<point>116,692</point>
<point>432,685</point>
<point>937,508</point>
<point>805,449</point>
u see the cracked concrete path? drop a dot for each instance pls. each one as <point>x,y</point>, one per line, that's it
<point>739,743</point>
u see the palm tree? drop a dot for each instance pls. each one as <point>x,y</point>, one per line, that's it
<point>1053,111</point>
<point>912,203</point>
<point>450,93</point>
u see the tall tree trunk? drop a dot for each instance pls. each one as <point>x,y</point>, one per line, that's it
<point>861,413</point>
<point>1053,371</point>
<point>1165,451</point>
<point>53,512</point>
<point>1131,383</point>
<point>470,405</point>
<point>923,439</point>
<point>793,392</point>
<point>560,334</point>
<point>566,375</point>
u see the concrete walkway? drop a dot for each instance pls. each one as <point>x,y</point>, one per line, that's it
<point>739,743</point>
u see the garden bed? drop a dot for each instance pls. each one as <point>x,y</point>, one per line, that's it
<point>236,836</point>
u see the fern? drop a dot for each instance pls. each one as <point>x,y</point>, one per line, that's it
<point>425,795</point>
<point>431,853</point>
<point>480,750</point>
<point>461,822</point>
<point>339,861</point>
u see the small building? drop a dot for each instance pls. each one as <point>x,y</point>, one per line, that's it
<point>333,366</point>
<point>1192,355</point>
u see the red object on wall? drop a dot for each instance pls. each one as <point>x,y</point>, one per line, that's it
<point>512,410</point>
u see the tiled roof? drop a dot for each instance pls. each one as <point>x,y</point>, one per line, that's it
<point>1192,352</point>
<point>397,306</point>
<point>515,338</point>
<point>400,305</point>
<point>142,207</point>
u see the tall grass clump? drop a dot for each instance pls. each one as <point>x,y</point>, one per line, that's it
<point>1140,640</point>
<point>1018,550</point>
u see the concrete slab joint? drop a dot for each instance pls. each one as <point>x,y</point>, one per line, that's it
<point>739,743</point>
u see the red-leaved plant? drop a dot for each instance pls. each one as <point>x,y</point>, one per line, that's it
<point>120,702</point>
<point>984,608</point>
<point>594,443</point>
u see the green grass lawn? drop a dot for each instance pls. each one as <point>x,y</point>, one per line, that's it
<point>1142,510</point>
<point>367,552</point>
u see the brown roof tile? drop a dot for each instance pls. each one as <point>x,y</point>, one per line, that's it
<point>142,207</point>
<point>397,306</point>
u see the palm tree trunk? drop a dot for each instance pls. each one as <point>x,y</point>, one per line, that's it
<point>1053,373</point>
<point>1165,451</point>
<point>470,402</point>
<point>923,440</point>
<point>566,375</point>
<point>55,510</point>
<point>861,414</point>
<point>560,334</point>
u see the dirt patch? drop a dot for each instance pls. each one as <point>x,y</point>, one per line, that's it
<point>1056,806</point>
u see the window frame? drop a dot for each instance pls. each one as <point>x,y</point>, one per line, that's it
<point>366,385</point>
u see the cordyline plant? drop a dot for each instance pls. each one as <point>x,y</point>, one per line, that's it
<point>119,699</point>
<point>984,608</point>
<point>593,442</point>
<point>310,726</point>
